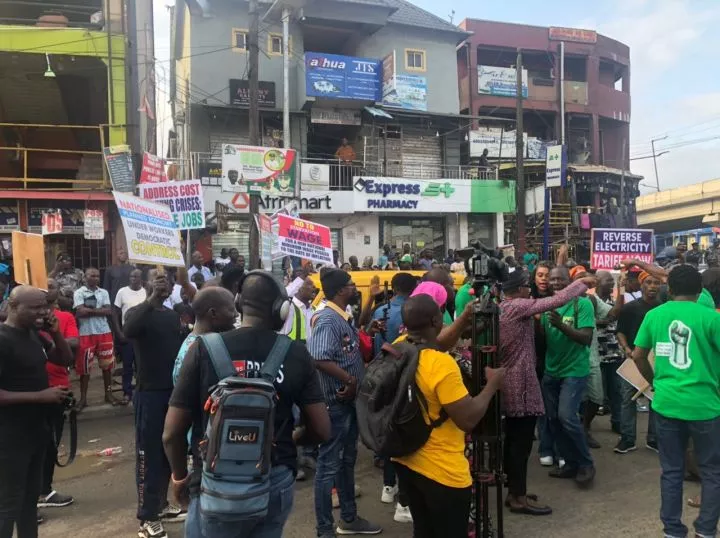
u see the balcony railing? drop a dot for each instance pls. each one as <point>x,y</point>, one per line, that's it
<point>52,157</point>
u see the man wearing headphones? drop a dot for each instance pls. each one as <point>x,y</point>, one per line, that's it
<point>265,307</point>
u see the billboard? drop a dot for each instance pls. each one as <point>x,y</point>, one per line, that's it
<point>500,81</point>
<point>342,77</point>
<point>408,92</point>
<point>258,170</point>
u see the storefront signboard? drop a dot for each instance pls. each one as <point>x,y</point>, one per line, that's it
<point>555,166</point>
<point>240,93</point>
<point>342,77</point>
<point>408,92</point>
<point>9,217</point>
<point>184,198</point>
<point>385,194</point>
<point>150,231</point>
<point>311,202</point>
<point>314,176</point>
<point>120,167</point>
<point>610,246</point>
<point>500,81</point>
<point>72,211</point>
<point>257,170</point>
<point>94,225</point>
<point>304,239</point>
<point>335,116</point>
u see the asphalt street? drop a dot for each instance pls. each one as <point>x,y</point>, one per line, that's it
<point>624,501</point>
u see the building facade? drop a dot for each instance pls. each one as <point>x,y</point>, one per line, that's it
<point>381,74</point>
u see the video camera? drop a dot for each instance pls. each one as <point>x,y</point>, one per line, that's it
<point>484,264</point>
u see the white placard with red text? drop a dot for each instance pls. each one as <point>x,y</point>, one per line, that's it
<point>93,224</point>
<point>304,239</point>
<point>52,222</point>
<point>184,198</point>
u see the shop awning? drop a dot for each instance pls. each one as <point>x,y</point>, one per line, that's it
<point>377,112</point>
<point>55,195</point>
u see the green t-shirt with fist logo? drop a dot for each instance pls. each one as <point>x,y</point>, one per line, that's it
<point>564,357</point>
<point>685,337</point>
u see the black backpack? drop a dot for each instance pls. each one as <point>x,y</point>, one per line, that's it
<point>390,407</point>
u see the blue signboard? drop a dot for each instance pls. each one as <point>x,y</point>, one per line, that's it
<point>342,77</point>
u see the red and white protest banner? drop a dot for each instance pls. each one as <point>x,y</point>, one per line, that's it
<point>304,239</point>
<point>52,222</point>
<point>153,169</point>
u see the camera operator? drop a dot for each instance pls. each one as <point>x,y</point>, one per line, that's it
<point>521,394</point>
<point>24,402</point>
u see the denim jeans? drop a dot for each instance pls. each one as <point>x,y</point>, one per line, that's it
<point>628,422</point>
<point>613,391</point>
<point>562,403</point>
<point>546,445</point>
<point>336,467</point>
<point>282,483</point>
<point>672,437</point>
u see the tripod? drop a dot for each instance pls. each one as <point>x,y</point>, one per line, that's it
<point>487,439</point>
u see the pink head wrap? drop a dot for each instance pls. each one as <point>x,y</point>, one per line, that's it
<point>434,290</point>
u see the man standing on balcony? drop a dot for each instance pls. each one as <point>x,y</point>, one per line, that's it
<point>483,163</point>
<point>345,153</point>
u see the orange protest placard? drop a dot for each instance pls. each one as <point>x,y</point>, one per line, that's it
<point>29,259</point>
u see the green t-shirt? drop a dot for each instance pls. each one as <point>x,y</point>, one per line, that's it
<point>706,299</point>
<point>685,337</point>
<point>565,357</point>
<point>462,298</point>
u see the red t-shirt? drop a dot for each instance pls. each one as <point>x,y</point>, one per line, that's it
<point>58,376</point>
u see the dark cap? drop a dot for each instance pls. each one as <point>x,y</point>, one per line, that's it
<point>333,281</point>
<point>516,279</point>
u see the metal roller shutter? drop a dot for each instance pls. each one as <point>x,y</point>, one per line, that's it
<point>236,239</point>
<point>218,138</point>
<point>421,155</point>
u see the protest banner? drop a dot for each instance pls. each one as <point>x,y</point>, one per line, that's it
<point>609,247</point>
<point>93,224</point>
<point>29,259</point>
<point>150,231</point>
<point>304,239</point>
<point>120,167</point>
<point>259,171</point>
<point>628,370</point>
<point>264,224</point>
<point>153,169</point>
<point>184,198</point>
<point>52,222</point>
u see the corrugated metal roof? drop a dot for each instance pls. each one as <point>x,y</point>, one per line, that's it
<point>411,15</point>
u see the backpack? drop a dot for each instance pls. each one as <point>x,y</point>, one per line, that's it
<point>390,406</point>
<point>236,449</point>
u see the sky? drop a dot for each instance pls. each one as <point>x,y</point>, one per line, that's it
<point>675,81</point>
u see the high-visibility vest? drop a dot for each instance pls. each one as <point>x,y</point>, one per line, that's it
<point>298,331</point>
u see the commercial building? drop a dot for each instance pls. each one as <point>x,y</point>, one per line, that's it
<point>63,97</point>
<point>576,88</point>
<point>381,74</point>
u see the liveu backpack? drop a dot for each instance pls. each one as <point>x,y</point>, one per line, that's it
<point>390,407</point>
<point>236,449</point>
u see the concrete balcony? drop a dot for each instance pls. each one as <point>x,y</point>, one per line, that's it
<point>612,103</point>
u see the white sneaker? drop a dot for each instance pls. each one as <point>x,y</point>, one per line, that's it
<point>388,494</point>
<point>172,513</point>
<point>402,514</point>
<point>546,461</point>
<point>561,463</point>
<point>152,529</point>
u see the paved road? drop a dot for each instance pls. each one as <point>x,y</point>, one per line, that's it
<point>623,502</point>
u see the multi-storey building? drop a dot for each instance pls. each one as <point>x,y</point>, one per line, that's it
<point>402,121</point>
<point>64,95</point>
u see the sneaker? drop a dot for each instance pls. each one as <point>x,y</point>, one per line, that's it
<point>561,463</point>
<point>151,529</point>
<point>55,500</point>
<point>547,461</point>
<point>585,475</point>
<point>652,445</point>
<point>623,447</point>
<point>357,526</point>
<point>591,441</point>
<point>388,494</point>
<point>402,514</point>
<point>301,475</point>
<point>40,519</point>
<point>172,513</point>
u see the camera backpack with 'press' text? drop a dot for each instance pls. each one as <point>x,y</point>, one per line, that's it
<point>236,449</point>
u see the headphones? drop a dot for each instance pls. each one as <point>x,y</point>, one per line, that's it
<point>280,308</point>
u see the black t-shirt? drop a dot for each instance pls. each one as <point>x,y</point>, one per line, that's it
<point>631,317</point>
<point>297,383</point>
<point>157,336</point>
<point>22,369</point>
<point>116,277</point>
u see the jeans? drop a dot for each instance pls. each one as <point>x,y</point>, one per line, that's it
<point>438,511</point>
<point>613,391</point>
<point>282,482</point>
<point>562,402</point>
<point>127,355</point>
<point>20,477</point>
<point>628,423</point>
<point>672,438</point>
<point>152,470</point>
<point>336,467</point>
<point>517,447</point>
<point>56,419</point>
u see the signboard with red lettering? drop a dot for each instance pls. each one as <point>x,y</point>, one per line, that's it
<point>184,198</point>
<point>304,239</point>
<point>52,222</point>
<point>153,169</point>
<point>577,35</point>
<point>610,246</point>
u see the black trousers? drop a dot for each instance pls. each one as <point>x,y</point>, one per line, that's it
<point>519,432</point>
<point>20,476</point>
<point>438,511</point>
<point>56,418</point>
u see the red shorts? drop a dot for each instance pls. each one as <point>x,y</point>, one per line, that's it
<point>95,346</point>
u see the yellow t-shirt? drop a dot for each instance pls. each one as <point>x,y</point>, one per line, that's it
<point>442,458</point>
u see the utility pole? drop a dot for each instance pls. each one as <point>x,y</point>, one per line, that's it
<point>520,158</point>
<point>254,125</point>
<point>654,156</point>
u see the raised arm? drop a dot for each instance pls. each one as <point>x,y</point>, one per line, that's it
<point>538,306</point>
<point>653,270</point>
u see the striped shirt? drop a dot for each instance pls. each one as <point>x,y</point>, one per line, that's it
<point>333,338</point>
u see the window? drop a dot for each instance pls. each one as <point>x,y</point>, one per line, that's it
<point>275,44</point>
<point>414,60</point>
<point>239,40</point>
